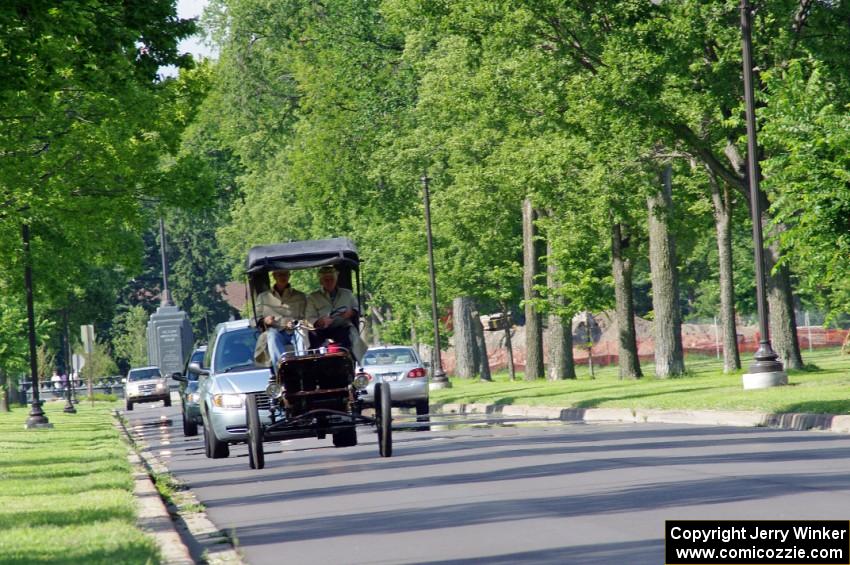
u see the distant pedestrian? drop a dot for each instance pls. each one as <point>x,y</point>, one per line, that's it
<point>56,380</point>
<point>63,378</point>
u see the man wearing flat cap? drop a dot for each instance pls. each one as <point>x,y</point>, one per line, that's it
<point>278,308</point>
<point>333,311</point>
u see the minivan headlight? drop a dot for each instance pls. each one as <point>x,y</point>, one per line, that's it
<point>232,401</point>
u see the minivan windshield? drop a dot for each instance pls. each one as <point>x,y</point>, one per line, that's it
<point>235,350</point>
<point>143,374</point>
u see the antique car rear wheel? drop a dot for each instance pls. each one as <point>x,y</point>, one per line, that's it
<point>256,456</point>
<point>347,438</point>
<point>383,409</point>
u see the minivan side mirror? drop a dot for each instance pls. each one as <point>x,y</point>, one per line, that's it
<point>196,368</point>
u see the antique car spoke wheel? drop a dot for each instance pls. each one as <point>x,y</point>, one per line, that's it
<point>383,409</point>
<point>256,456</point>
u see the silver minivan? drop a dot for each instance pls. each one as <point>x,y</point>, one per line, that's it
<point>226,374</point>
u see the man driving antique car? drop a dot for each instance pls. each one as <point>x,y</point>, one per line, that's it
<point>278,308</point>
<point>334,312</point>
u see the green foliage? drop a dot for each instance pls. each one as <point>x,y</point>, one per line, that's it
<point>320,120</point>
<point>808,136</point>
<point>130,337</point>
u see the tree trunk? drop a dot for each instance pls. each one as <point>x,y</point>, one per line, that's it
<point>482,360</point>
<point>4,392</point>
<point>509,348</point>
<point>561,362</point>
<point>533,322</point>
<point>723,227</point>
<point>464,337</point>
<point>622,271</point>
<point>669,360</point>
<point>780,306</point>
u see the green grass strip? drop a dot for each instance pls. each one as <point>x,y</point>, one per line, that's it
<point>66,493</point>
<point>823,388</point>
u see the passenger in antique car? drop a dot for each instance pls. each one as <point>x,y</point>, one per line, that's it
<point>278,309</point>
<point>333,311</point>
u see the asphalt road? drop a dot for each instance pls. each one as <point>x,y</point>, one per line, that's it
<point>544,493</point>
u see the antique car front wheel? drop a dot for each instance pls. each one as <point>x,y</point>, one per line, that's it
<point>256,456</point>
<point>383,410</point>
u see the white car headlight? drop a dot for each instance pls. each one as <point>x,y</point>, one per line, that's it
<point>361,381</point>
<point>160,386</point>
<point>232,401</point>
<point>274,390</point>
<point>194,397</point>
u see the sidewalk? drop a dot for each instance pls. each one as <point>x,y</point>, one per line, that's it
<point>819,422</point>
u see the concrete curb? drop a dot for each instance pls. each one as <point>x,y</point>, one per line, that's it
<point>153,516</point>
<point>159,520</point>
<point>791,421</point>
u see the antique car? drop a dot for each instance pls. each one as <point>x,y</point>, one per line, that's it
<point>314,390</point>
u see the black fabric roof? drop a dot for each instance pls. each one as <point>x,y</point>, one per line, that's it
<point>303,255</point>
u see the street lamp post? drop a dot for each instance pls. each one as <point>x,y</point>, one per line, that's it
<point>438,377</point>
<point>165,299</point>
<point>766,370</point>
<point>36,419</point>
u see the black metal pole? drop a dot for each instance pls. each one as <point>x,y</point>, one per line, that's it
<point>36,416</point>
<point>765,358</point>
<point>165,299</point>
<point>69,382</point>
<point>438,377</point>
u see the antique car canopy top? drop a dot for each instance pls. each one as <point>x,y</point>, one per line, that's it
<point>339,251</point>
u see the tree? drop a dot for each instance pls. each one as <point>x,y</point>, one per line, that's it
<point>464,337</point>
<point>669,359</point>
<point>130,337</point>
<point>560,346</point>
<point>533,321</point>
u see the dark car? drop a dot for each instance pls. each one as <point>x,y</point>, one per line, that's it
<point>189,396</point>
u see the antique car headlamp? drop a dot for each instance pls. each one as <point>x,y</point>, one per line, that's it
<point>194,397</point>
<point>361,380</point>
<point>229,400</point>
<point>274,390</point>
